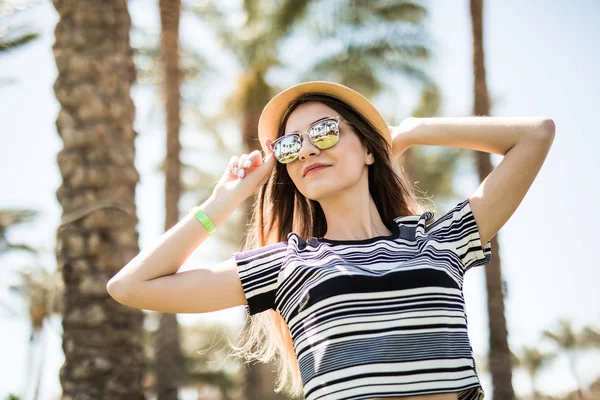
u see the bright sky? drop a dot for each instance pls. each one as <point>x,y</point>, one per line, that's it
<point>541,59</point>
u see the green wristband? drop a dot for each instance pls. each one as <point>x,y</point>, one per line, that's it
<point>203,218</point>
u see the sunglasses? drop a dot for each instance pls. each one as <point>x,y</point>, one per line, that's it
<point>323,134</point>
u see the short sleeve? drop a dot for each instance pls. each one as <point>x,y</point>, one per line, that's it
<point>259,272</point>
<point>458,228</point>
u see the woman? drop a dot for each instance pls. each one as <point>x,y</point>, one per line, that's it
<point>351,287</point>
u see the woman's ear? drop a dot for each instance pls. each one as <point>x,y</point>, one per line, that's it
<point>370,159</point>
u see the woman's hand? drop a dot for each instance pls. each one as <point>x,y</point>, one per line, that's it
<point>245,174</point>
<point>401,136</point>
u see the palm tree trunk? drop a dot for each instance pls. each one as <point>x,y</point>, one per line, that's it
<point>534,393</point>
<point>33,369</point>
<point>572,364</point>
<point>499,354</point>
<point>102,340</point>
<point>169,357</point>
<point>40,368</point>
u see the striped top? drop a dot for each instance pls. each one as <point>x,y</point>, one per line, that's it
<point>380,317</point>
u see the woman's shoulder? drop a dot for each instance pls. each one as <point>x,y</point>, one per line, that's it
<point>280,248</point>
<point>428,216</point>
<point>423,219</point>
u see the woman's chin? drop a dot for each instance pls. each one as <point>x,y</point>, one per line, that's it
<point>318,191</point>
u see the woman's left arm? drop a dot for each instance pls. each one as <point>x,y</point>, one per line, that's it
<point>524,143</point>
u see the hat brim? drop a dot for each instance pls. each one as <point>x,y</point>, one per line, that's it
<point>276,108</point>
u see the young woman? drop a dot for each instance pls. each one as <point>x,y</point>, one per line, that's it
<point>351,287</point>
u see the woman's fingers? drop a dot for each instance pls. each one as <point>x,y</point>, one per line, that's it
<point>233,165</point>
<point>248,162</point>
<point>238,169</point>
<point>254,159</point>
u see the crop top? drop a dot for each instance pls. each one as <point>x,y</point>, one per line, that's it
<point>379,317</point>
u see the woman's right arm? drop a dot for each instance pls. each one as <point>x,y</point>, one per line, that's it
<point>150,280</point>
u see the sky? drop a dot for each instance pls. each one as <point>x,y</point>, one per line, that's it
<point>542,59</point>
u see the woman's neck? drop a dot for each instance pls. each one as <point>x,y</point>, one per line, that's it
<point>353,215</point>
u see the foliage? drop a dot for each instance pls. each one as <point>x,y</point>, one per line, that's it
<point>206,355</point>
<point>12,41</point>
<point>570,341</point>
<point>43,291</point>
<point>369,42</point>
<point>10,218</point>
<point>13,35</point>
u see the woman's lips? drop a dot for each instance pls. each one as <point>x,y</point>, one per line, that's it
<point>314,170</point>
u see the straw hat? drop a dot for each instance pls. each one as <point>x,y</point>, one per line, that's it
<point>274,111</point>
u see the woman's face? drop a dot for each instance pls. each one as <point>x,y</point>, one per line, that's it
<point>346,163</point>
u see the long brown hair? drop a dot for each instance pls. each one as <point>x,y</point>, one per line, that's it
<point>280,208</point>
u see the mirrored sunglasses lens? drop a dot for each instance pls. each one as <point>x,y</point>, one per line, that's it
<point>286,149</point>
<point>325,134</point>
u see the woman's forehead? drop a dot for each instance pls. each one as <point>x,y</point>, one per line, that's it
<point>307,113</point>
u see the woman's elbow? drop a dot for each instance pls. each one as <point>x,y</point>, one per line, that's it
<point>117,290</point>
<point>547,128</point>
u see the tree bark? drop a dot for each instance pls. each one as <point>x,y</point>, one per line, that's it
<point>102,340</point>
<point>169,356</point>
<point>499,352</point>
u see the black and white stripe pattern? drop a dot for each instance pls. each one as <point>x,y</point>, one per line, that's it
<point>381,317</point>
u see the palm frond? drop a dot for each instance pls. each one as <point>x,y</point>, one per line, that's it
<point>395,10</point>
<point>329,17</point>
<point>12,217</point>
<point>533,359</point>
<point>287,16</point>
<point>436,170</point>
<point>353,60</point>
<point>7,44</point>
<point>430,102</point>
<point>227,36</point>
<point>17,246</point>
<point>590,337</point>
<point>383,48</point>
<point>252,9</point>
<point>564,336</point>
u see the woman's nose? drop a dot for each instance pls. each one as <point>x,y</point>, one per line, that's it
<point>307,149</point>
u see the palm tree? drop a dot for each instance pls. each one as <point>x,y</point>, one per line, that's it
<point>102,340</point>
<point>499,353</point>
<point>169,359</point>
<point>570,341</point>
<point>43,291</point>
<point>532,360</point>
<point>10,218</point>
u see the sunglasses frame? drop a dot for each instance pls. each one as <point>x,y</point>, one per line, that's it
<point>336,118</point>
